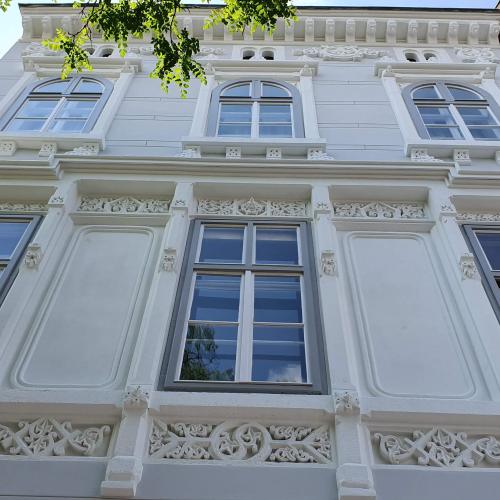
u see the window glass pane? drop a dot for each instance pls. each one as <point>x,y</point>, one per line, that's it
<point>269,90</point>
<point>490,243</point>
<point>436,115</point>
<point>210,352</point>
<point>275,113</point>
<point>222,244</point>
<point>37,108</point>
<point>463,94</point>
<point>89,86</point>
<point>10,234</point>
<point>242,90</point>
<point>25,125</point>
<point>277,299</point>
<point>445,133</point>
<point>426,93</point>
<point>485,134</point>
<point>476,116</point>
<point>216,298</point>
<point>76,109</point>
<point>276,246</point>
<point>275,131</point>
<point>235,113</point>
<point>279,355</point>
<point>53,87</point>
<point>233,130</point>
<point>69,126</point>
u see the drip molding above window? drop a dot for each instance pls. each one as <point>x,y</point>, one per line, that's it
<point>234,68</point>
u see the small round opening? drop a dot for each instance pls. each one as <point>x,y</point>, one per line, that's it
<point>248,54</point>
<point>106,52</point>
<point>268,55</point>
<point>411,57</point>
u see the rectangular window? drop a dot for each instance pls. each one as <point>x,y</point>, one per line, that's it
<point>439,122</point>
<point>246,316</point>
<point>480,122</point>
<point>16,232</point>
<point>485,244</point>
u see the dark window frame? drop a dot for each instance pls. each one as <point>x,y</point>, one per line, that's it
<point>447,100</point>
<point>11,268</point>
<point>31,92</point>
<point>316,362</point>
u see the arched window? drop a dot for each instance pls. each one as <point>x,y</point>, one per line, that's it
<point>449,111</point>
<point>256,108</point>
<point>59,106</point>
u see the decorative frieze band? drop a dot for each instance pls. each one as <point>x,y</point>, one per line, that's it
<point>339,53</point>
<point>254,208</point>
<point>379,210</point>
<point>438,447</point>
<point>49,437</point>
<point>123,205</point>
<point>28,207</point>
<point>228,441</point>
<point>478,217</point>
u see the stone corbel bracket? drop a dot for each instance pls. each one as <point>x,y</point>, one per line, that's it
<point>33,256</point>
<point>468,267</point>
<point>355,482</point>
<point>168,260</point>
<point>328,263</point>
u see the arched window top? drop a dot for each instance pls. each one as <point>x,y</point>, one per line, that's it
<point>256,108</point>
<point>59,106</point>
<point>450,111</point>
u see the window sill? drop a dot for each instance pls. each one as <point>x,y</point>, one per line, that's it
<point>445,149</point>
<point>253,147</point>
<point>63,142</point>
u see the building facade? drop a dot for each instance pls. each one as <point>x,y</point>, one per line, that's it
<point>284,286</point>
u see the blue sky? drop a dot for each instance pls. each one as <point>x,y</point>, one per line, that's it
<point>10,22</point>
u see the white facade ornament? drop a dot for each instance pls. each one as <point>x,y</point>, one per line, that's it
<point>56,200</point>
<point>48,149</point>
<point>7,148</point>
<point>412,34</point>
<point>45,437</point>
<point>421,155</point>
<point>478,217</point>
<point>254,208</point>
<point>476,55</point>
<point>273,153</point>
<point>236,441</point>
<point>461,156</point>
<point>15,207</point>
<point>318,154</point>
<point>190,152</point>
<point>439,447</point>
<point>168,260</point>
<point>136,398</point>
<point>468,267</point>
<point>339,53</point>
<point>123,205</point>
<point>87,149</point>
<point>328,263</point>
<point>346,402</point>
<point>233,153</point>
<point>33,256</point>
<point>37,49</point>
<point>210,52</point>
<point>379,210</point>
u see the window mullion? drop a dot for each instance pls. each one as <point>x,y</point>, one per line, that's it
<point>246,329</point>
<point>460,122</point>
<point>54,113</point>
<point>255,119</point>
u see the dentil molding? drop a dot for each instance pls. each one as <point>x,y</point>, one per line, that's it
<point>248,441</point>
<point>50,437</point>
<point>438,447</point>
<point>254,208</point>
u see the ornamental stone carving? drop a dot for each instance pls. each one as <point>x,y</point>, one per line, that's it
<point>123,205</point>
<point>254,208</point>
<point>422,156</point>
<point>33,256</point>
<point>462,156</point>
<point>22,207</point>
<point>87,149</point>
<point>168,260</point>
<point>339,53</point>
<point>233,152</point>
<point>7,148</point>
<point>136,398</point>
<point>476,55</point>
<point>479,217</point>
<point>273,153</point>
<point>468,267</point>
<point>318,154</point>
<point>230,441</point>
<point>210,52</point>
<point>379,210</point>
<point>346,402</point>
<point>37,49</point>
<point>48,149</point>
<point>191,152</point>
<point>438,447</point>
<point>328,263</point>
<point>49,437</point>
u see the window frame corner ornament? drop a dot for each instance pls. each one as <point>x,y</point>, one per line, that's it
<point>346,402</point>
<point>136,397</point>
<point>468,268</point>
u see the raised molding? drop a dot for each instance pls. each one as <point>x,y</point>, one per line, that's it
<point>254,208</point>
<point>379,210</point>
<point>462,156</point>
<point>422,155</point>
<point>242,441</point>
<point>86,149</point>
<point>45,437</point>
<point>210,52</point>
<point>168,260</point>
<point>339,53</point>
<point>233,152</point>
<point>328,263</point>
<point>318,154</point>
<point>346,402</point>
<point>123,205</point>
<point>190,152</point>
<point>468,267</point>
<point>438,447</point>
<point>7,148</point>
<point>56,200</point>
<point>476,54</point>
<point>33,256</point>
<point>273,153</point>
<point>48,149</point>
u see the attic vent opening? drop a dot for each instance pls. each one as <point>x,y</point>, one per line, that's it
<point>268,55</point>
<point>248,54</point>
